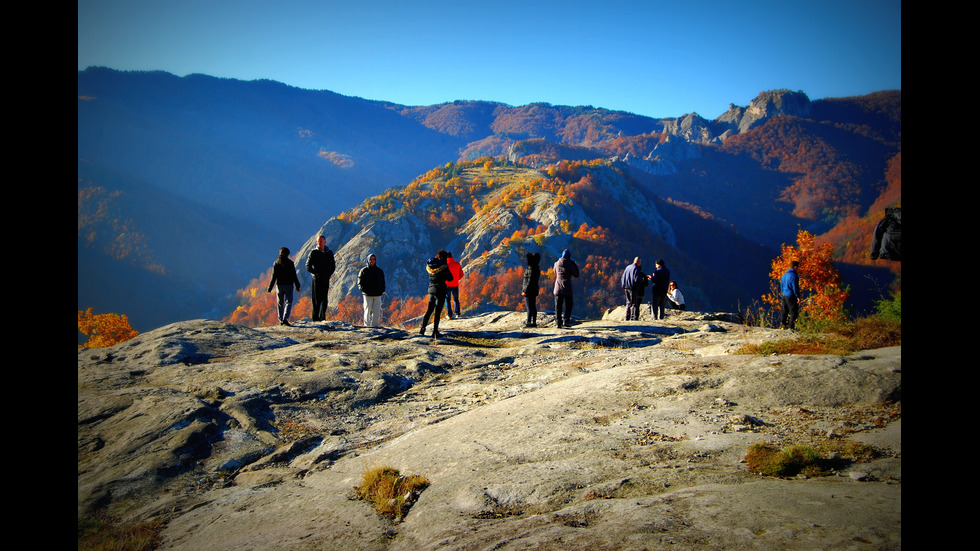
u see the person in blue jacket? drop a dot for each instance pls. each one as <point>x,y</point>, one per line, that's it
<point>633,282</point>
<point>789,285</point>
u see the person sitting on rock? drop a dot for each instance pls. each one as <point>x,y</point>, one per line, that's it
<point>675,300</point>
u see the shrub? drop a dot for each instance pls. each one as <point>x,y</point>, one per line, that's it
<point>104,329</point>
<point>389,492</point>
<point>890,309</point>
<point>768,460</point>
<point>823,291</point>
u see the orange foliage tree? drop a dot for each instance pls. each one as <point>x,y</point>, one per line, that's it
<point>821,287</point>
<point>104,329</point>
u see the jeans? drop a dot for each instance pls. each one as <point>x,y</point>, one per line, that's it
<point>284,302</point>
<point>451,295</point>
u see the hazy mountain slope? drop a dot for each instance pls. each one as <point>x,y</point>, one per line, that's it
<point>220,173</point>
<point>214,175</point>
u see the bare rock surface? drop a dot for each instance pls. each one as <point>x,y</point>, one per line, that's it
<point>606,435</point>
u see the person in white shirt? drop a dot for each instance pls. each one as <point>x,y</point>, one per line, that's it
<point>675,299</point>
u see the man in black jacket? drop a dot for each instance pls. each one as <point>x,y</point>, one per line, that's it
<point>321,264</point>
<point>371,282</point>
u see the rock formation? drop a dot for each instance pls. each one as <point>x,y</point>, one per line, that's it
<point>611,435</point>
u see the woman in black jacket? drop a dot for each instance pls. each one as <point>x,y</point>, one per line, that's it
<point>284,278</point>
<point>529,288</point>
<point>439,275</point>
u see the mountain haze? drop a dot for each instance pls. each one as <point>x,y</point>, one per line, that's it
<point>189,185</point>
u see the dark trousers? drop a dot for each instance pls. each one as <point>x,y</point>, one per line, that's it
<point>657,305</point>
<point>284,302</point>
<point>532,309</point>
<point>566,301</point>
<point>452,294</point>
<point>790,311</point>
<point>318,296</point>
<point>435,306</point>
<point>633,301</point>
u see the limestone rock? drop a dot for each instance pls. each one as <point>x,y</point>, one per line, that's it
<point>606,434</point>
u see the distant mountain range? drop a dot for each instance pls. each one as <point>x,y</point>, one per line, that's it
<point>189,185</point>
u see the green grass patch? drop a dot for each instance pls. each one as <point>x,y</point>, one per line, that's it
<point>820,459</point>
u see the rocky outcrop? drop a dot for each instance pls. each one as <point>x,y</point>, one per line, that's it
<point>609,434</point>
<point>765,106</point>
<point>398,243</point>
<point>665,157</point>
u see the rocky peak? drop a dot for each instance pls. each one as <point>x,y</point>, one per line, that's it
<point>765,106</point>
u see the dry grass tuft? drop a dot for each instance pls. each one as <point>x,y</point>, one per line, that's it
<point>389,492</point>
<point>837,338</point>
<point>104,533</point>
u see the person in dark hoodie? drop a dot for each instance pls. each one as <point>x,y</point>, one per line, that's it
<point>371,282</point>
<point>283,279</point>
<point>529,288</point>
<point>439,275</point>
<point>565,270</point>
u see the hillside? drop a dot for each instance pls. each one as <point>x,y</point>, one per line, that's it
<point>187,186</point>
<point>609,435</point>
<point>490,214</point>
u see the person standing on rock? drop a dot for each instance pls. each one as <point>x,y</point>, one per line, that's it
<point>452,288</point>
<point>661,281</point>
<point>529,288</point>
<point>789,285</point>
<point>371,282</point>
<point>321,265</point>
<point>439,275</point>
<point>565,270</point>
<point>633,281</point>
<point>283,279</point>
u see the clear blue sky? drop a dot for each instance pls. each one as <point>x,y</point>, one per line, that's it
<point>656,58</point>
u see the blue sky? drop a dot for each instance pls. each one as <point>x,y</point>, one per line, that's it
<point>654,58</point>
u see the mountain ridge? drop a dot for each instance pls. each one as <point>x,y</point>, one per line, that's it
<point>280,158</point>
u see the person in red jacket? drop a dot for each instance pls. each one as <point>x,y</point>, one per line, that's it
<point>453,286</point>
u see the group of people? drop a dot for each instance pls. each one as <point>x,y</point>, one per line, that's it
<point>370,281</point>
<point>565,269</point>
<point>445,273</point>
<point>321,266</point>
<point>666,293</point>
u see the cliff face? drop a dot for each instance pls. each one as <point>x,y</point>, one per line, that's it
<point>608,435</point>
